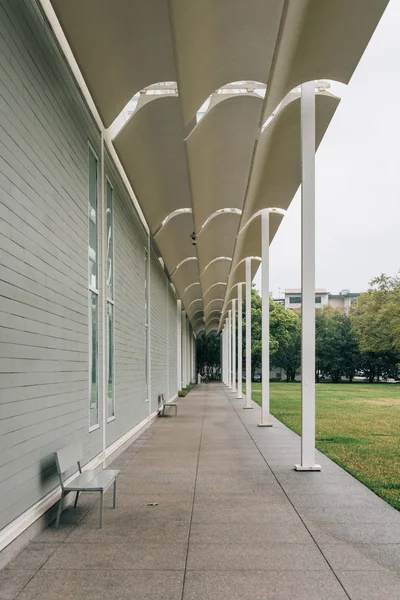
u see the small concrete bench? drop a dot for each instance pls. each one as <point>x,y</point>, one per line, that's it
<point>87,481</point>
<point>163,405</point>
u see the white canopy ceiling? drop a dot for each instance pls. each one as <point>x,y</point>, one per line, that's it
<point>210,178</point>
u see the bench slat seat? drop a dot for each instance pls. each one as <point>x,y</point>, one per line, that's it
<point>85,481</point>
<point>165,404</point>
<point>89,481</point>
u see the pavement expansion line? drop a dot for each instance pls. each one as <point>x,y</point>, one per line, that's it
<point>283,490</point>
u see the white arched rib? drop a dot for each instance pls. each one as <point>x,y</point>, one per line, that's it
<point>229,89</point>
<point>213,285</point>
<point>215,260</point>
<point>278,211</point>
<point>175,213</point>
<point>215,300</point>
<point>258,258</point>
<point>197,311</point>
<point>190,286</point>
<point>215,310</point>
<point>166,88</point>
<point>194,301</point>
<point>217,213</point>
<point>185,260</point>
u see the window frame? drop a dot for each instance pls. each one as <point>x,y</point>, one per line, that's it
<point>110,301</point>
<point>92,290</point>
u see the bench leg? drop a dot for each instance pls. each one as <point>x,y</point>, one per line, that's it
<point>101,510</point>
<point>76,499</point>
<point>176,411</point>
<point>115,494</point>
<point>59,510</point>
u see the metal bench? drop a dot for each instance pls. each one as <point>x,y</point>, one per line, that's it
<point>164,405</point>
<point>86,481</point>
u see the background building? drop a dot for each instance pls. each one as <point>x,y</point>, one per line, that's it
<point>323,298</point>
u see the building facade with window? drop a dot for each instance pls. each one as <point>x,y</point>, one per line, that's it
<point>293,298</point>
<point>88,316</point>
<point>142,180</point>
<point>343,300</point>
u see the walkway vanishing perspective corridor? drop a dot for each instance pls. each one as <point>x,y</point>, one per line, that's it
<point>210,508</point>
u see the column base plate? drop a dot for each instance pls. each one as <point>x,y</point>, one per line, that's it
<point>304,468</point>
<point>264,425</point>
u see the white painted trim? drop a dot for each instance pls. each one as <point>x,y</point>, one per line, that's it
<point>27,518</point>
<point>103,295</point>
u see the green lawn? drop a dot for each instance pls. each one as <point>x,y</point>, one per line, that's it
<point>358,426</point>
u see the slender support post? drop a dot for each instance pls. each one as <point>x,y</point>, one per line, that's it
<point>247,403</point>
<point>183,349</point>
<point>179,343</point>
<point>308,279</point>
<point>265,417</point>
<point>223,356</point>
<point>190,357</point>
<point>230,349</point>
<point>101,509</point>
<point>234,345</point>
<point>239,347</point>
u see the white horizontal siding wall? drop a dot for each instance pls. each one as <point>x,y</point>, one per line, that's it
<point>158,331</point>
<point>44,133</point>
<point>172,344</point>
<point>130,244</point>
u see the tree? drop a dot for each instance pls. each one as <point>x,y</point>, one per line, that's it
<point>208,355</point>
<point>375,316</point>
<point>337,352</point>
<point>285,339</point>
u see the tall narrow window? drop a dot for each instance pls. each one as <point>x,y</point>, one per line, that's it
<point>93,295</point>
<point>146,323</point>
<point>110,304</point>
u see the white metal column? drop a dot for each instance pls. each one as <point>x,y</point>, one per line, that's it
<point>187,352</point>
<point>230,349</point>
<point>308,279</point>
<point>265,417</point>
<point>179,343</point>
<point>184,349</point>
<point>234,346</point>
<point>226,351</point>
<point>193,365</point>
<point>239,346</point>
<point>247,403</point>
<point>222,357</point>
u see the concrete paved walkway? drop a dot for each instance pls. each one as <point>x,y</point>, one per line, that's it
<point>233,522</point>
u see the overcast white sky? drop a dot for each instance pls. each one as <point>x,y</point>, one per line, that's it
<point>357,179</point>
